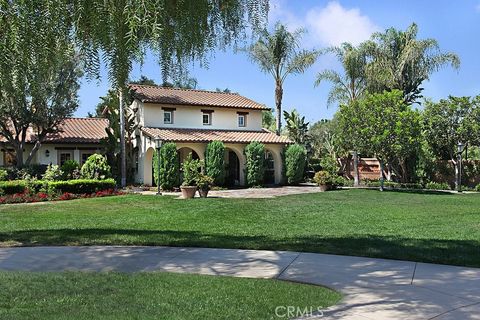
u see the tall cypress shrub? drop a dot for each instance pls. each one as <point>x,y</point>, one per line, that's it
<point>169,167</point>
<point>215,162</point>
<point>255,166</point>
<point>295,159</point>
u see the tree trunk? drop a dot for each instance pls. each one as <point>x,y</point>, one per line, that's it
<point>278,103</point>
<point>356,174</point>
<point>123,161</point>
<point>382,179</point>
<point>18,155</point>
<point>32,153</point>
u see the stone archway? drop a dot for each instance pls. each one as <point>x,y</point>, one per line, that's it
<point>147,167</point>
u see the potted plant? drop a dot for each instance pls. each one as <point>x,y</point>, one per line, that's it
<point>204,184</point>
<point>324,180</point>
<point>190,175</point>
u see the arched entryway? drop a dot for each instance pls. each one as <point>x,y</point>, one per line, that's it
<point>269,168</point>
<point>232,174</point>
<point>183,153</point>
<point>273,165</point>
<point>147,167</point>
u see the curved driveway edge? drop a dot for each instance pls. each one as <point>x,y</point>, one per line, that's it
<point>372,288</point>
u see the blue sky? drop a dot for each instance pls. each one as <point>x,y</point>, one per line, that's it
<point>455,24</point>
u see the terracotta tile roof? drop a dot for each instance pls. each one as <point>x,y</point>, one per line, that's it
<point>202,135</point>
<point>75,130</point>
<point>162,95</point>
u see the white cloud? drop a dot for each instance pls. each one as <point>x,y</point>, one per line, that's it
<point>280,12</point>
<point>332,25</point>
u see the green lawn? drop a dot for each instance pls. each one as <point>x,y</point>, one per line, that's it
<point>440,228</point>
<point>151,296</point>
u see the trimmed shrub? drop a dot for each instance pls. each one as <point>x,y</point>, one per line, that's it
<point>3,175</point>
<point>437,186</point>
<point>169,167</point>
<point>295,159</point>
<point>12,187</point>
<point>330,165</point>
<point>53,173</point>
<point>323,178</point>
<point>96,167</point>
<point>81,186</point>
<point>191,171</point>
<point>70,170</point>
<point>255,166</point>
<point>215,162</point>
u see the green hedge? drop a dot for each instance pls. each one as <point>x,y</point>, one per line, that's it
<point>80,186</point>
<point>12,187</point>
<point>215,162</point>
<point>255,166</point>
<point>295,159</point>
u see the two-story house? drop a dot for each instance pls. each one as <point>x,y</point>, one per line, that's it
<point>190,118</point>
<point>193,118</point>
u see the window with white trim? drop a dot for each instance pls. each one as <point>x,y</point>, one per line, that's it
<point>167,116</point>
<point>207,119</point>
<point>242,120</point>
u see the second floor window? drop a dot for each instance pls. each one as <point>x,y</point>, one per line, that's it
<point>241,120</point>
<point>207,119</point>
<point>167,117</point>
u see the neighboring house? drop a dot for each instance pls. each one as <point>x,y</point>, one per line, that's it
<point>192,119</point>
<point>77,140</point>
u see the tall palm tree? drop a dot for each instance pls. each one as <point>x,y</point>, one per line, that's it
<point>398,60</point>
<point>350,86</point>
<point>279,54</point>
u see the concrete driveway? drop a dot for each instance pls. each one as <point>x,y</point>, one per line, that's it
<point>372,288</point>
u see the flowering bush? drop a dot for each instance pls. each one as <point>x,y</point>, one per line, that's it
<point>27,197</point>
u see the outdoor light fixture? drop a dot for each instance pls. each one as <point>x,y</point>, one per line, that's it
<point>158,145</point>
<point>460,148</point>
<point>47,153</point>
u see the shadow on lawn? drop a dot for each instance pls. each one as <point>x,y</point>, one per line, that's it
<point>455,252</point>
<point>415,191</point>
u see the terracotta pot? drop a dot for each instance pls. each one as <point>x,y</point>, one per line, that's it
<point>203,193</point>
<point>188,192</point>
<point>323,187</point>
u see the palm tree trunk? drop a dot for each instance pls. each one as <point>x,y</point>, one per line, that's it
<point>278,103</point>
<point>123,161</point>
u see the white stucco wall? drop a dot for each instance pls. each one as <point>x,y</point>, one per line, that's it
<point>151,115</point>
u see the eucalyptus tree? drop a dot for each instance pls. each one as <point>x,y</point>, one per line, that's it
<point>120,33</point>
<point>39,73</point>
<point>279,54</point>
<point>398,60</point>
<point>349,86</point>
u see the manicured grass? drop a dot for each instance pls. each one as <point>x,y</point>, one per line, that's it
<point>151,296</point>
<point>439,228</point>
